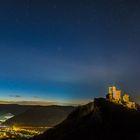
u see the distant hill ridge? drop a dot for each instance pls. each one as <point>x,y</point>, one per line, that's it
<point>41,116</point>
<point>98,120</point>
<point>15,109</point>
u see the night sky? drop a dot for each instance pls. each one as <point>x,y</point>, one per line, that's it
<point>68,51</point>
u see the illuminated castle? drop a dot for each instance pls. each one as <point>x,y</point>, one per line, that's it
<point>114,95</point>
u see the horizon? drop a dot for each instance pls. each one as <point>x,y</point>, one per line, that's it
<point>118,93</point>
<point>44,103</point>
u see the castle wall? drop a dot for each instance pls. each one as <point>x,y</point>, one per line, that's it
<point>114,95</point>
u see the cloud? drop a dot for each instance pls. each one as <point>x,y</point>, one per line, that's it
<point>15,96</point>
<point>36,97</point>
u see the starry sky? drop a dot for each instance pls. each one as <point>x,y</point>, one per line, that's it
<point>68,51</point>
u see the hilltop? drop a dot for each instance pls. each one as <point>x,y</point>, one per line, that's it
<point>98,120</point>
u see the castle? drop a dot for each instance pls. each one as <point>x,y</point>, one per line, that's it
<point>115,95</point>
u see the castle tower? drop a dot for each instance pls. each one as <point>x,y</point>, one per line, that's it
<point>112,89</point>
<point>117,95</point>
<point>114,94</point>
<point>110,93</point>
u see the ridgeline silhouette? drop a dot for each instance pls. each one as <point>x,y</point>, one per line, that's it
<point>97,120</point>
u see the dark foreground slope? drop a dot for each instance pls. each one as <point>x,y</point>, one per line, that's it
<point>41,116</point>
<point>98,120</point>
